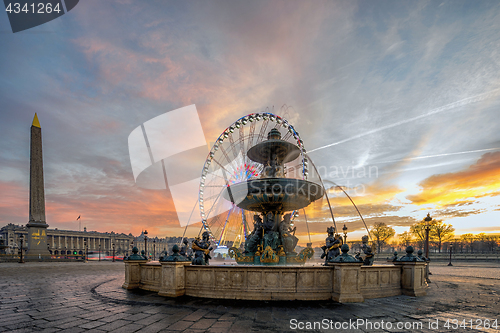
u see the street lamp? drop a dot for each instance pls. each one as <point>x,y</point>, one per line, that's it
<point>113,252</point>
<point>11,243</point>
<point>345,234</point>
<point>21,238</point>
<point>86,252</point>
<point>427,220</point>
<point>99,251</point>
<point>154,249</point>
<point>451,248</point>
<point>146,242</point>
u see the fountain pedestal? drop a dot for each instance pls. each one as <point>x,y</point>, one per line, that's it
<point>173,278</point>
<point>133,273</point>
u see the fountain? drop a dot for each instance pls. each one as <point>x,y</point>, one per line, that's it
<point>272,241</point>
<point>259,184</point>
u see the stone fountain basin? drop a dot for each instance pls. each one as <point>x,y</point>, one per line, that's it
<point>273,194</point>
<point>342,282</point>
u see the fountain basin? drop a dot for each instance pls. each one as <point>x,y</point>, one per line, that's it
<point>273,194</point>
<point>341,282</point>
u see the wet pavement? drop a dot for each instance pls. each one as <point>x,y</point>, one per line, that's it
<point>77,297</point>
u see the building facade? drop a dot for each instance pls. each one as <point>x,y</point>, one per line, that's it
<point>156,247</point>
<point>69,242</point>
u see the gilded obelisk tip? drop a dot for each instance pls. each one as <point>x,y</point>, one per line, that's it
<point>36,123</point>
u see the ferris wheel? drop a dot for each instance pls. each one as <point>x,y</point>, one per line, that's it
<point>228,163</point>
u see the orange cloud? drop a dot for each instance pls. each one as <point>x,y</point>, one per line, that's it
<point>479,180</point>
<point>14,205</point>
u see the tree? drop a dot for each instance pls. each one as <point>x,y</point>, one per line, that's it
<point>405,238</point>
<point>381,232</point>
<point>468,238</point>
<point>441,233</point>
<point>482,237</point>
<point>418,230</point>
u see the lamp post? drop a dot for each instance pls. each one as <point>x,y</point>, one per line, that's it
<point>99,251</point>
<point>11,244</point>
<point>113,252</point>
<point>451,249</point>
<point>85,248</point>
<point>146,243</point>
<point>427,220</point>
<point>154,249</point>
<point>21,238</point>
<point>345,233</point>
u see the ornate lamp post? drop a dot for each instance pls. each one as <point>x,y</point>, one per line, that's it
<point>146,243</point>
<point>427,220</point>
<point>85,247</point>
<point>113,252</point>
<point>345,234</point>
<point>11,244</point>
<point>154,249</point>
<point>21,238</point>
<point>451,249</point>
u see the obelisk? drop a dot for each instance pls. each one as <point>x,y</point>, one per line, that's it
<point>37,227</point>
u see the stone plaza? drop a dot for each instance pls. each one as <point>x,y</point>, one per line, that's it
<point>78,297</point>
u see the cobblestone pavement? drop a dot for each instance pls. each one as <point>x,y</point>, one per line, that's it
<point>77,297</point>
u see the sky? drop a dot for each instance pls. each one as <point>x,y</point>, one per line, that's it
<point>397,101</point>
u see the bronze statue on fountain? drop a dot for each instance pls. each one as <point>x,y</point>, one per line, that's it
<point>367,250</point>
<point>273,239</point>
<point>331,249</point>
<point>202,250</point>
<point>185,249</point>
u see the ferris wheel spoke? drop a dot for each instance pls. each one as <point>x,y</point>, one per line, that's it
<point>223,170</point>
<point>231,140</point>
<point>262,131</point>
<point>225,224</point>
<point>242,142</point>
<point>287,136</point>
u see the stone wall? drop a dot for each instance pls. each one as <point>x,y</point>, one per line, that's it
<point>259,282</point>
<point>380,281</point>
<point>341,282</point>
<point>151,276</point>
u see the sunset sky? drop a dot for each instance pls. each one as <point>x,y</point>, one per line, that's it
<point>409,90</point>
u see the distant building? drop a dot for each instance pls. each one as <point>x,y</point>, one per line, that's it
<point>67,242</point>
<point>157,247</point>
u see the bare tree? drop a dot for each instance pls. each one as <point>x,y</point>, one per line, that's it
<point>381,232</point>
<point>405,238</point>
<point>468,238</point>
<point>441,232</point>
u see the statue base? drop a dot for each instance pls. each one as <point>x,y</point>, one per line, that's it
<point>37,241</point>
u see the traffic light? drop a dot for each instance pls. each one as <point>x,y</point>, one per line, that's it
<point>74,252</point>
